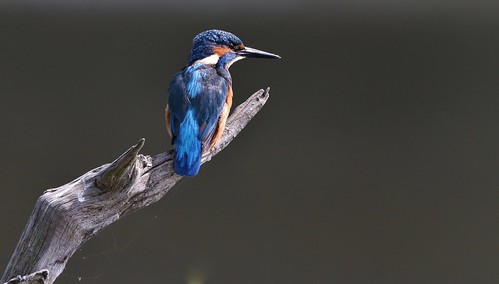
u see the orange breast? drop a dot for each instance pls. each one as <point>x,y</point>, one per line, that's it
<point>167,118</point>
<point>222,119</point>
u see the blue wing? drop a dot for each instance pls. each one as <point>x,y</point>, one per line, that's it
<point>197,96</point>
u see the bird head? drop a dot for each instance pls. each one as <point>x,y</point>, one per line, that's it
<point>211,45</point>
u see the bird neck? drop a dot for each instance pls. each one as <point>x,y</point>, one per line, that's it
<point>228,59</point>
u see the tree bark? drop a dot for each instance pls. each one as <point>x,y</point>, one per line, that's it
<point>66,217</point>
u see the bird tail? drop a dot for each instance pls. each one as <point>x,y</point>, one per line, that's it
<point>188,151</point>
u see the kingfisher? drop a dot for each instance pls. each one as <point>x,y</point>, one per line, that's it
<point>200,96</point>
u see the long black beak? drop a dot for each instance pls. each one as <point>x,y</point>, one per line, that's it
<point>255,53</point>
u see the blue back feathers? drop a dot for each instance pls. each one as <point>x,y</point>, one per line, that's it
<point>197,97</point>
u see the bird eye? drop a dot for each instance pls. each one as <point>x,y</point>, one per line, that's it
<point>237,47</point>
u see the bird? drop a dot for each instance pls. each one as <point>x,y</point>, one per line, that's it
<point>200,96</point>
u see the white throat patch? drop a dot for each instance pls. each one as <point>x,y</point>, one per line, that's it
<point>210,60</point>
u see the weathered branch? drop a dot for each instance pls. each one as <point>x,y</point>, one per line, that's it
<point>65,217</point>
<point>38,277</point>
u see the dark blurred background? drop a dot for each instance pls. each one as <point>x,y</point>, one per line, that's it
<point>375,160</point>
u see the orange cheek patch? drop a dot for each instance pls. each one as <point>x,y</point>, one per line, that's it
<point>220,50</point>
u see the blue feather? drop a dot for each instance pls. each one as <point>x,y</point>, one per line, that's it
<point>188,152</point>
<point>197,97</point>
<point>193,85</point>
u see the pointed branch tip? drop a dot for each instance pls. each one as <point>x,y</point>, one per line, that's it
<point>118,174</point>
